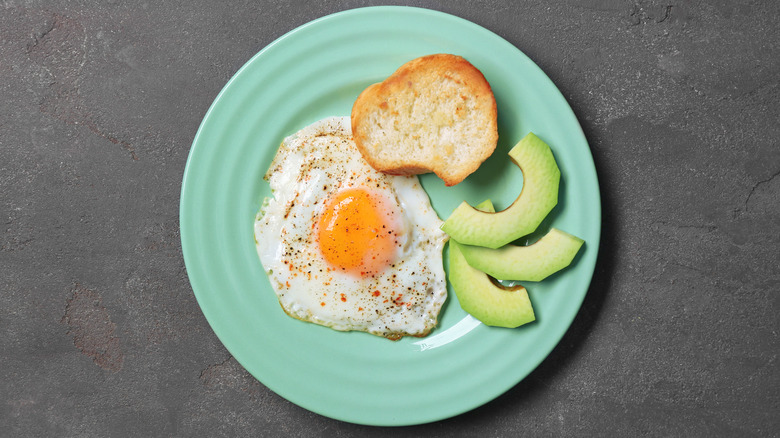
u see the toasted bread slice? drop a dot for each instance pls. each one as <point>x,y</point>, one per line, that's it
<point>435,114</point>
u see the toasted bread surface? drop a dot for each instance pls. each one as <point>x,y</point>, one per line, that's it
<point>435,114</point>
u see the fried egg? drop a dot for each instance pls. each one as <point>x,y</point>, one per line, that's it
<point>346,246</point>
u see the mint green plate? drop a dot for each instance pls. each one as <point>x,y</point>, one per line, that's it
<point>317,71</point>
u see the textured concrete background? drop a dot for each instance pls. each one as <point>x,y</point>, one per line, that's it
<point>100,331</point>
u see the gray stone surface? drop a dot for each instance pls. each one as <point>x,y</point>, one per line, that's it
<point>102,336</point>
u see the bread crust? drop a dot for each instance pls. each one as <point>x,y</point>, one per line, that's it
<point>436,113</point>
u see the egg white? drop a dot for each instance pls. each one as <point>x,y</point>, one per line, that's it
<point>310,167</point>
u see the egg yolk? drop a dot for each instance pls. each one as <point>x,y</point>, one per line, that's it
<point>356,233</point>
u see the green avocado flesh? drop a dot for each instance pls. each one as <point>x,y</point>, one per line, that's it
<point>486,205</point>
<point>535,262</point>
<point>490,303</point>
<point>538,196</point>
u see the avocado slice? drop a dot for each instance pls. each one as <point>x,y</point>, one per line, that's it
<point>538,196</point>
<point>486,205</point>
<point>483,298</point>
<point>553,252</point>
